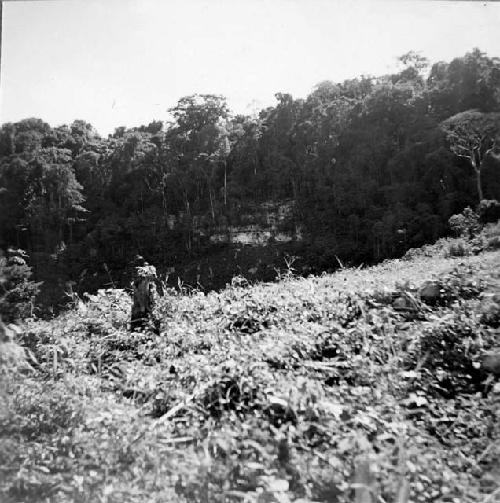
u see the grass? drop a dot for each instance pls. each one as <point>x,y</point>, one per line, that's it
<point>339,388</point>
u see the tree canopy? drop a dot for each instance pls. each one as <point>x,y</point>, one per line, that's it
<point>473,135</point>
<point>372,166</point>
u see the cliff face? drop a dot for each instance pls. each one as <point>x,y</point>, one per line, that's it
<point>252,243</point>
<point>269,222</point>
<point>254,225</point>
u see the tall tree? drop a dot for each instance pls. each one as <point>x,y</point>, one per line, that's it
<point>468,82</point>
<point>200,140</point>
<point>54,196</point>
<point>473,135</point>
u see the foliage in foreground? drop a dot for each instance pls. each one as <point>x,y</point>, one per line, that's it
<point>17,289</point>
<point>360,386</point>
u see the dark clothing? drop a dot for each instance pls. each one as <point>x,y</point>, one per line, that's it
<point>145,297</point>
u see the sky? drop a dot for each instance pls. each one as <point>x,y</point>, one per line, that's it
<point>125,62</point>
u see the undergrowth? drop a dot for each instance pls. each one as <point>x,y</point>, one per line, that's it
<point>352,387</point>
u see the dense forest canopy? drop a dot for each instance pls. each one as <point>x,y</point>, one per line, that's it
<point>373,166</point>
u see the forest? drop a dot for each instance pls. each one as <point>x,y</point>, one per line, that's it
<point>372,167</point>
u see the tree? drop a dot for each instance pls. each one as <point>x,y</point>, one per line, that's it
<point>53,195</point>
<point>14,172</point>
<point>414,67</point>
<point>26,135</point>
<point>473,135</point>
<point>193,112</point>
<point>200,141</point>
<point>469,82</point>
<point>244,168</point>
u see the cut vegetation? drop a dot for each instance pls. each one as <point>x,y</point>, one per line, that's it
<point>368,385</point>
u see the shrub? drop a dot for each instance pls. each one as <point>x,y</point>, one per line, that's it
<point>17,290</point>
<point>492,236</point>
<point>40,409</point>
<point>490,311</point>
<point>448,352</point>
<point>489,211</point>
<point>12,356</point>
<point>494,243</point>
<point>461,283</point>
<point>458,249</point>
<point>465,223</point>
<point>231,391</point>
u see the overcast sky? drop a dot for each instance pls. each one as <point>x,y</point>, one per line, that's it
<point>125,62</point>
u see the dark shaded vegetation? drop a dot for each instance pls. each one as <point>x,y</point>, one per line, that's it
<point>17,289</point>
<point>371,166</point>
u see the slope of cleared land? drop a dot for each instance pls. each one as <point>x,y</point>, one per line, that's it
<point>338,388</point>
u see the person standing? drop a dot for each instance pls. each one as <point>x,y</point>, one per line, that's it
<point>145,296</point>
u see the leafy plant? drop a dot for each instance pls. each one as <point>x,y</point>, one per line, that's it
<point>448,352</point>
<point>36,411</point>
<point>458,249</point>
<point>17,290</point>
<point>465,223</point>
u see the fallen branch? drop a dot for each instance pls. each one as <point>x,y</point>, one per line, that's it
<point>323,365</point>
<point>177,440</point>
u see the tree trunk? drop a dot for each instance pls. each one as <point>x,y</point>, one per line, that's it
<point>211,203</point>
<point>476,164</point>
<point>225,183</point>
<point>479,184</point>
<point>164,201</point>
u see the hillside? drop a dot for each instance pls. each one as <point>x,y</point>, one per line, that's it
<point>339,388</point>
<point>361,169</point>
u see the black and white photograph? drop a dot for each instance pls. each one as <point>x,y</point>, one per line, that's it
<point>249,251</point>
